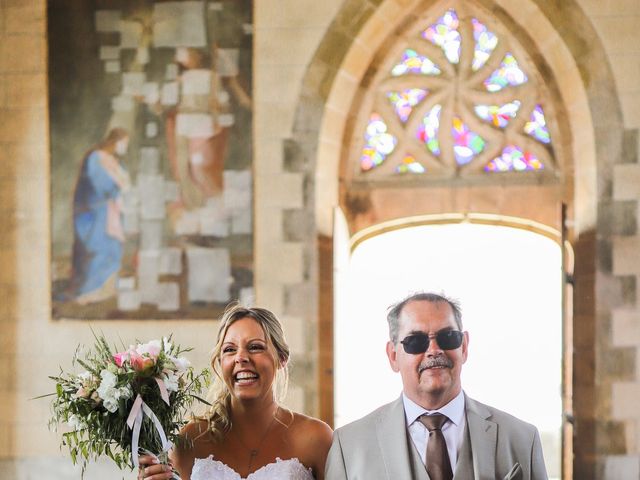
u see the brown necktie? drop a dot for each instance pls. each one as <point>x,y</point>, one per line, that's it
<point>438,465</point>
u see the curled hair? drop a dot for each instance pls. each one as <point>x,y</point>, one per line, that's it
<point>395,310</point>
<point>219,414</point>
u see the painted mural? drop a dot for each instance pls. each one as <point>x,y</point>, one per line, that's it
<point>151,157</point>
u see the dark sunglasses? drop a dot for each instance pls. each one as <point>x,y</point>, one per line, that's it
<point>419,342</point>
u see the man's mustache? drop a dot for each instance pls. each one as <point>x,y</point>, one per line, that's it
<point>440,361</point>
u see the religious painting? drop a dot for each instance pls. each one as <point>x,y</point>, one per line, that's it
<point>151,157</point>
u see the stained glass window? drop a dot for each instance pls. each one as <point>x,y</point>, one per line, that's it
<point>537,126</point>
<point>466,144</point>
<point>378,144</point>
<point>404,101</point>
<point>428,130</point>
<point>444,33</point>
<point>498,115</point>
<point>514,158</point>
<point>509,73</point>
<point>486,42</point>
<point>455,110</point>
<point>412,62</point>
<point>410,165</point>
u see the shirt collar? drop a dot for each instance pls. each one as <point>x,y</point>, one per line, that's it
<point>454,410</point>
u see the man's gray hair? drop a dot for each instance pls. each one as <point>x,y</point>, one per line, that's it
<point>396,309</point>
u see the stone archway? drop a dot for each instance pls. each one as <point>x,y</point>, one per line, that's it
<point>566,48</point>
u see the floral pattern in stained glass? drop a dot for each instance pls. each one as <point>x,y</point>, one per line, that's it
<point>509,73</point>
<point>537,126</point>
<point>410,165</point>
<point>466,144</point>
<point>428,130</point>
<point>412,62</point>
<point>498,115</point>
<point>404,101</point>
<point>513,158</point>
<point>379,143</point>
<point>444,33</point>
<point>486,42</point>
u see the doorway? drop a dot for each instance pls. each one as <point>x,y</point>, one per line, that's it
<point>509,283</point>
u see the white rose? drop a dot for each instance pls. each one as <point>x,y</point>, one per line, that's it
<point>76,423</point>
<point>107,383</point>
<point>111,404</point>
<point>181,364</point>
<point>125,392</point>
<point>109,393</point>
<point>108,378</point>
<point>153,348</point>
<point>171,381</point>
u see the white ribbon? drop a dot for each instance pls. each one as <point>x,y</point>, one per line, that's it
<point>164,394</point>
<point>134,421</point>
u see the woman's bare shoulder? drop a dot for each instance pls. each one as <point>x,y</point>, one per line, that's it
<point>305,421</point>
<point>309,431</point>
<point>312,440</point>
<point>195,441</point>
<point>196,435</point>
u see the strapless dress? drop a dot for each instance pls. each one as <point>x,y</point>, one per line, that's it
<point>211,469</point>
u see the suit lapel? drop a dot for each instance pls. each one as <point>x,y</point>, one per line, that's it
<point>484,435</point>
<point>391,431</point>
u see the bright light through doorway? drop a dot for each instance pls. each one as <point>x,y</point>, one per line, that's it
<point>508,282</point>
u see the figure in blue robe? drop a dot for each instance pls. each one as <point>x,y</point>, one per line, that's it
<point>97,223</point>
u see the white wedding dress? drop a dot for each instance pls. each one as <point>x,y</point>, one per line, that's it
<point>211,469</point>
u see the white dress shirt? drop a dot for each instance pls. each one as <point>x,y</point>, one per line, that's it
<point>453,430</point>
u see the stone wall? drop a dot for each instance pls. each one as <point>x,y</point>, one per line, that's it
<point>625,317</point>
<point>285,271</point>
<point>617,332</point>
<point>32,345</point>
<point>299,47</point>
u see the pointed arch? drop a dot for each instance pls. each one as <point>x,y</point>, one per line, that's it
<point>575,60</point>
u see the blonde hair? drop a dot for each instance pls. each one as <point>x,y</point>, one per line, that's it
<point>218,415</point>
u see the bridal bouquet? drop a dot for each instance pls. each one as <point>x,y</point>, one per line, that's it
<point>125,402</point>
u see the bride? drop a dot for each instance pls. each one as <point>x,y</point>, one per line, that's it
<point>246,433</point>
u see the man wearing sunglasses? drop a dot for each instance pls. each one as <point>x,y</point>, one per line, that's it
<point>433,431</point>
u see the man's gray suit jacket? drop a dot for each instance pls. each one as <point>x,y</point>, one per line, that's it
<point>377,447</point>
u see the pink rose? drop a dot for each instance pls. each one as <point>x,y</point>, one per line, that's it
<point>139,362</point>
<point>120,358</point>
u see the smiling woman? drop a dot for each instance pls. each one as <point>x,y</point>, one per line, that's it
<point>248,363</point>
<point>247,432</point>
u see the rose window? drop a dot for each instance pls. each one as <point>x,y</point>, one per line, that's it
<point>459,97</point>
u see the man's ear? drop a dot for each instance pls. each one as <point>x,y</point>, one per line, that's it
<point>392,355</point>
<point>465,347</point>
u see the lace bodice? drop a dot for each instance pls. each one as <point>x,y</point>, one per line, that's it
<point>211,469</point>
